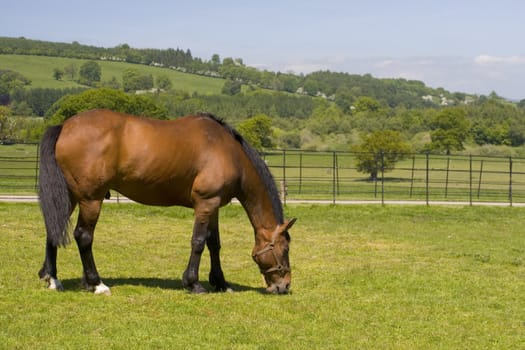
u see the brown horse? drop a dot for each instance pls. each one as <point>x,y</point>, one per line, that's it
<point>194,161</point>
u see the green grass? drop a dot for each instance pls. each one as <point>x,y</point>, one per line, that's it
<point>39,69</point>
<point>364,277</point>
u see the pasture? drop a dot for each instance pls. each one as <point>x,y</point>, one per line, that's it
<point>40,70</point>
<point>364,277</point>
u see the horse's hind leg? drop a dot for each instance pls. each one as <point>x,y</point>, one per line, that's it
<point>87,220</point>
<point>214,245</point>
<point>48,272</point>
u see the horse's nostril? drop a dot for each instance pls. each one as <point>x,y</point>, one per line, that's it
<point>287,286</point>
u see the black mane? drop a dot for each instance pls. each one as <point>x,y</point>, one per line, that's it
<point>258,163</point>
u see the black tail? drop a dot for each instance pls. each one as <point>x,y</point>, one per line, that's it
<point>54,196</point>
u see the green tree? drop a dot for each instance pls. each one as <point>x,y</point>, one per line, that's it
<point>90,73</point>
<point>231,87</point>
<point>380,151</point>
<point>5,125</point>
<point>164,82</point>
<point>133,80</point>
<point>328,118</point>
<point>215,60</point>
<point>11,81</point>
<point>449,130</point>
<point>366,104</point>
<point>58,73</point>
<point>115,100</point>
<point>257,131</point>
<point>70,71</point>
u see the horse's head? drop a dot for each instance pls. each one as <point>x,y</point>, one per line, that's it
<point>272,258</point>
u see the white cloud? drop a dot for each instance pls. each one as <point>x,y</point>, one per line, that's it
<point>483,60</point>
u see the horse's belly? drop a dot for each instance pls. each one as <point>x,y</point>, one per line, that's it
<point>154,196</point>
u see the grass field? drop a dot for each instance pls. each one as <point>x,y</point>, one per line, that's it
<point>40,70</point>
<point>364,277</point>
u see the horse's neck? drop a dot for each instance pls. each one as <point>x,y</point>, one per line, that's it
<point>258,206</point>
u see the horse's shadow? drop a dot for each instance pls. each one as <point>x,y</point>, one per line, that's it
<point>162,283</point>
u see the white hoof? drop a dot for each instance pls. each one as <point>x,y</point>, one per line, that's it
<point>55,284</point>
<point>102,289</point>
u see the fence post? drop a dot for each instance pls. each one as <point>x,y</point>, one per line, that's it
<point>37,168</point>
<point>334,160</point>
<point>382,178</point>
<point>283,187</point>
<point>412,175</point>
<point>300,171</point>
<point>510,181</point>
<point>480,174</point>
<point>426,179</point>
<point>446,177</point>
<point>337,173</point>
<point>470,180</point>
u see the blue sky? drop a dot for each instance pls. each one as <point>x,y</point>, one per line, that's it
<point>473,46</point>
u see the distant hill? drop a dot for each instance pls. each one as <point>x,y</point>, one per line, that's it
<point>175,62</point>
<point>39,69</point>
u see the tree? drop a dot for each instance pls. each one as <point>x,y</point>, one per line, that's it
<point>5,125</point>
<point>215,60</point>
<point>133,80</point>
<point>380,151</point>
<point>257,131</point>
<point>366,104</point>
<point>164,82</point>
<point>231,87</point>
<point>70,71</point>
<point>449,130</point>
<point>10,82</point>
<point>90,73</point>
<point>115,100</point>
<point>58,73</point>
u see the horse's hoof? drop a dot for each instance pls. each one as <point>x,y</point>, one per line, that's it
<point>54,284</point>
<point>198,289</point>
<point>224,289</point>
<point>102,289</point>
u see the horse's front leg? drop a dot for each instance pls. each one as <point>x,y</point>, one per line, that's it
<point>214,246</point>
<point>190,278</point>
<point>205,212</point>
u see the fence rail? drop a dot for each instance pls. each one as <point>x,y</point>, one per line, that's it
<point>333,177</point>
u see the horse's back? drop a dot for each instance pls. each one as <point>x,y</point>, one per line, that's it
<point>150,161</point>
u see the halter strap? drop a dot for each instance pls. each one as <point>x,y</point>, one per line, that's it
<point>279,266</point>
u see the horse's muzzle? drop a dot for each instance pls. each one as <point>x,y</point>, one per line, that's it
<point>281,287</point>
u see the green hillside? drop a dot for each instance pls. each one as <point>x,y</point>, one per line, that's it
<point>39,69</point>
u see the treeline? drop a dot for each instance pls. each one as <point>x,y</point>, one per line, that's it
<point>343,88</point>
<point>124,53</point>
<point>317,123</point>
<point>318,111</point>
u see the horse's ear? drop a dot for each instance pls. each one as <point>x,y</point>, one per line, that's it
<point>288,223</point>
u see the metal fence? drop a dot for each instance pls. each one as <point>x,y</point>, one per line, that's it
<point>333,177</point>
<point>18,169</point>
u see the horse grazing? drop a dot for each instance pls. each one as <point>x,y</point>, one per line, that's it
<point>195,161</point>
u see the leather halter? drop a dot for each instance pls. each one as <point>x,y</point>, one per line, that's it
<point>279,266</point>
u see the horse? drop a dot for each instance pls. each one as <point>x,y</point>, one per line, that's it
<point>196,161</point>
